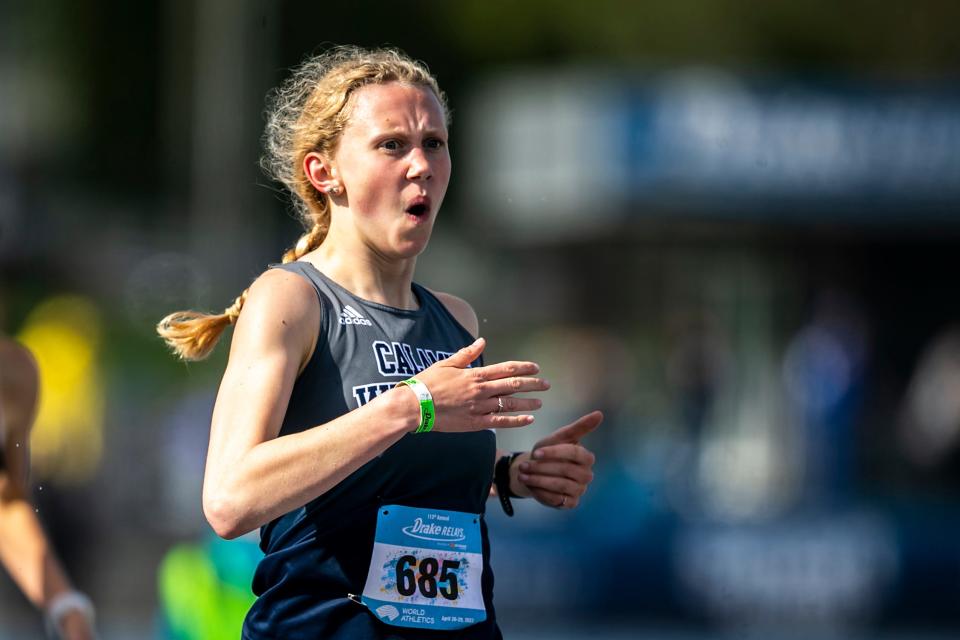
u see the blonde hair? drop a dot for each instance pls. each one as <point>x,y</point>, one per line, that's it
<point>307,113</point>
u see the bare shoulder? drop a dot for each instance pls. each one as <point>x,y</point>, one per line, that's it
<point>461,310</point>
<point>19,383</point>
<point>281,310</point>
<point>284,290</point>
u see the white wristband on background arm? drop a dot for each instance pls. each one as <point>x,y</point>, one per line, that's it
<point>63,604</point>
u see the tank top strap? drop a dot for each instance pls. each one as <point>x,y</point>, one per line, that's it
<point>312,276</point>
<point>434,306</point>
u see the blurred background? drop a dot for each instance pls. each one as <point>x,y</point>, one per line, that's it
<point>731,225</point>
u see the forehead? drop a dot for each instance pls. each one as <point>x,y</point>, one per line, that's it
<point>394,105</point>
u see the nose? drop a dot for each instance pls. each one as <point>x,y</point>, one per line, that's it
<point>419,168</point>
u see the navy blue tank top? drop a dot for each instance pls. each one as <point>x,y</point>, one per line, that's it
<point>319,553</point>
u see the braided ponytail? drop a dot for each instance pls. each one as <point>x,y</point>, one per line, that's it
<point>193,335</point>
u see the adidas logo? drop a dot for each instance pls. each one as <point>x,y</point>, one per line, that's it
<point>349,315</point>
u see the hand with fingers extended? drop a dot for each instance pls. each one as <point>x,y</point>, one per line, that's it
<point>557,471</point>
<point>470,399</point>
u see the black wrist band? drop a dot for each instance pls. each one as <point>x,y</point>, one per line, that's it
<point>501,480</point>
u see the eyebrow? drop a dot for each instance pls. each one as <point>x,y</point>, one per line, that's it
<point>403,133</point>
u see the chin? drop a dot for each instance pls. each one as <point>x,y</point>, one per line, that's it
<point>411,251</point>
<point>411,247</point>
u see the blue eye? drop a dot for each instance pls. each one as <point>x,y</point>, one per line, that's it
<point>434,143</point>
<point>391,145</point>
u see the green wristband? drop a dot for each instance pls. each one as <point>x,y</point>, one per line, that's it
<point>427,412</point>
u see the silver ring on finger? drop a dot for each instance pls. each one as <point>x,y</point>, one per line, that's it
<point>499,404</point>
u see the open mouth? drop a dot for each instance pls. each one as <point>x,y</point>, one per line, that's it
<point>418,210</point>
<point>419,207</point>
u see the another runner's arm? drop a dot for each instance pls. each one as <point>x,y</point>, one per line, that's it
<point>24,548</point>
<point>253,476</point>
<point>22,542</point>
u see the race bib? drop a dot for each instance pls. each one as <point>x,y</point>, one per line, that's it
<point>426,569</point>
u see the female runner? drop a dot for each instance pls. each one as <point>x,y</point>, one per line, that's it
<point>353,422</point>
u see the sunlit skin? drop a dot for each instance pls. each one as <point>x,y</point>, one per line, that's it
<point>393,154</point>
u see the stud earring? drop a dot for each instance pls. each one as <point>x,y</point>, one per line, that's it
<point>333,191</point>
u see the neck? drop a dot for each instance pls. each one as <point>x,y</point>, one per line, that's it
<point>365,273</point>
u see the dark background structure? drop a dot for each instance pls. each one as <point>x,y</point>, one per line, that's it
<point>734,226</point>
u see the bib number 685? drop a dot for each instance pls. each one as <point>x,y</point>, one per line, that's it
<point>429,582</point>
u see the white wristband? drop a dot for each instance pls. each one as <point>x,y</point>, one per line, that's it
<point>63,604</point>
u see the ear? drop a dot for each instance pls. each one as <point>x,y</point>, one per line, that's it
<point>321,173</point>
